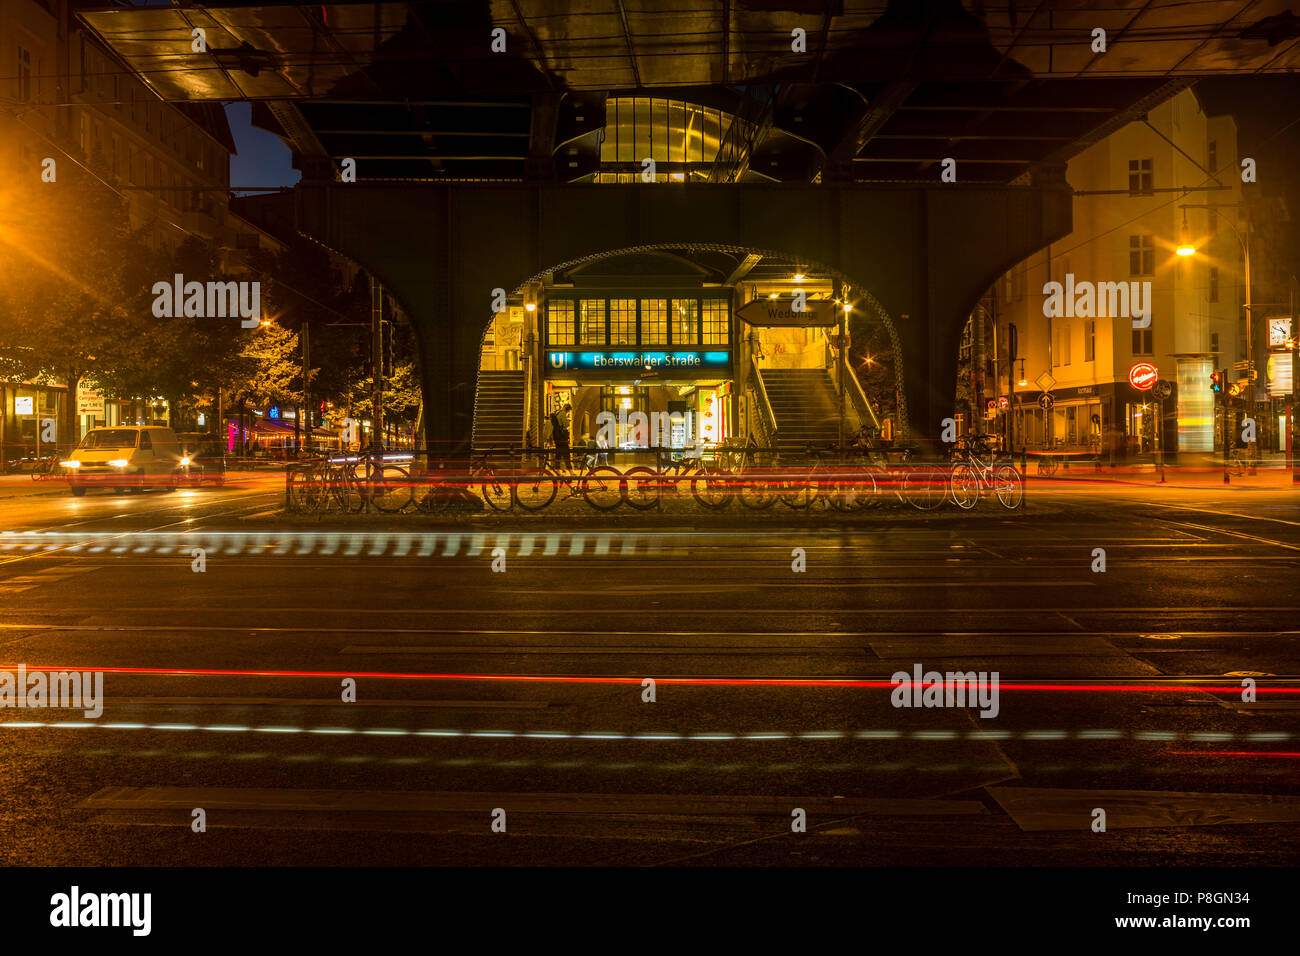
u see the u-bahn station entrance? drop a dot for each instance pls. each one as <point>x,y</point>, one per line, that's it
<point>601,162</point>
<point>670,351</point>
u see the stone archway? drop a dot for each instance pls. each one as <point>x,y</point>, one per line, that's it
<point>926,253</point>
<point>862,296</point>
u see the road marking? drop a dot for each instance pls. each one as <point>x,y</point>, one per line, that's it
<point>995,645</point>
<point>428,801</point>
<point>1235,534</point>
<point>1037,808</point>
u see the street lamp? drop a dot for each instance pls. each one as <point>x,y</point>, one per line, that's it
<point>1185,247</point>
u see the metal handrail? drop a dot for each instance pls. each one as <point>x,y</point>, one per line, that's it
<point>765,404</point>
<point>859,398</point>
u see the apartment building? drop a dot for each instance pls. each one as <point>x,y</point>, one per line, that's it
<point>1141,194</point>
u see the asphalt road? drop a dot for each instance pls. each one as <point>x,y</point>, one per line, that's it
<point>522,690</point>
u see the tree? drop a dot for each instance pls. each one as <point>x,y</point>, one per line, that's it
<point>871,353</point>
<point>65,296</point>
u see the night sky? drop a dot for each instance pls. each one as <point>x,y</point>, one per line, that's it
<point>263,159</point>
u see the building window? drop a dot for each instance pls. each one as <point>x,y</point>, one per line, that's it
<point>1214,284</point>
<point>716,314</point>
<point>1142,341</point>
<point>1141,255</point>
<point>1065,345</point>
<point>592,318</point>
<point>686,322</point>
<point>654,321</point>
<point>1089,341</point>
<point>559,322</point>
<point>1214,342</point>
<point>24,75</point>
<point>622,321</point>
<point>683,139</point>
<point>1140,179</point>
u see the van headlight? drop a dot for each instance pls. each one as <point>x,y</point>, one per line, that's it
<point>119,463</point>
<point>70,464</point>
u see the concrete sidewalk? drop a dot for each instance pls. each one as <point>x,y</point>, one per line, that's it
<point>1269,474</point>
<point>22,485</point>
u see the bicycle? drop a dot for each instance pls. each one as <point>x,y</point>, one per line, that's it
<point>1240,461</point>
<point>45,468</point>
<point>976,469</point>
<point>602,487</point>
<point>494,489</point>
<point>920,486</point>
<point>755,492</point>
<point>646,486</point>
<point>387,486</point>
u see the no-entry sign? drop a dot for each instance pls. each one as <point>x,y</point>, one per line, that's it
<point>1143,375</point>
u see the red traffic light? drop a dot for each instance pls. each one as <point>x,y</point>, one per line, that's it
<point>1216,381</point>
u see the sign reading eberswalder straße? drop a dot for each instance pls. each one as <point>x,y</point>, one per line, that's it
<point>1143,375</point>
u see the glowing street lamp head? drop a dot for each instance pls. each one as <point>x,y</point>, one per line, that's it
<point>1185,247</point>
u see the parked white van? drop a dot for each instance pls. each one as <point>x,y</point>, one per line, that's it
<point>124,457</point>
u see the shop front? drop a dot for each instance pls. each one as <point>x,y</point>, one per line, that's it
<point>641,373</point>
<point>1078,420</point>
<point>30,420</point>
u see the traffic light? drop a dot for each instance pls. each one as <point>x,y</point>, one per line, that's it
<point>1216,381</point>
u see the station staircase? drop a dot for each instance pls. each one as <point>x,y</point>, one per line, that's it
<point>804,405</point>
<point>499,410</point>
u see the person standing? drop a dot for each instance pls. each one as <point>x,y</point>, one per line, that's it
<point>560,435</point>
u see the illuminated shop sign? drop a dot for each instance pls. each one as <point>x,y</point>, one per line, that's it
<point>637,361</point>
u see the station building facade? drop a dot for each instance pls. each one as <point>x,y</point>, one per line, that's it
<point>659,350</point>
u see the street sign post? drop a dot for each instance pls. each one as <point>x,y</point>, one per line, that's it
<point>1046,400</point>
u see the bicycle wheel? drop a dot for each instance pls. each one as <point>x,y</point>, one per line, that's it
<point>713,491</point>
<point>644,487</point>
<point>925,488</point>
<point>1008,486</point>
<point>799,492</point>
<point>854,492</point>
<point>432,497</point>
<point>494,490</point>
<point>757,491</point>
<point>534,492</point>
<point>604,488</point>
<point>308,492</point>
<point>965,482</point>
<point>345,483</point>
<point>390,488</point>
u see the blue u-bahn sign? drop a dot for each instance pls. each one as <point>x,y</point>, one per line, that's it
<point>638,361</point>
